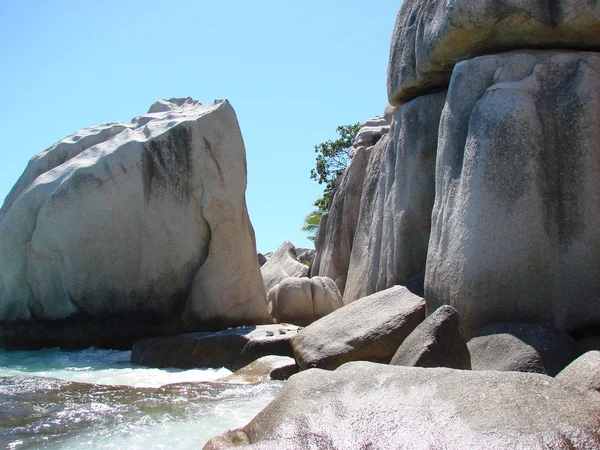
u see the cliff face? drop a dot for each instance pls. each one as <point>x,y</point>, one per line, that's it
<point>488,178</point>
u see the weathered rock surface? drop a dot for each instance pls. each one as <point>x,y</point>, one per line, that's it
<point>370,329</point>
<point>517,210</point>
<point>281,265</point>
<point>262,259</point>
<point>233,348</point>
<point>436,342</point>
<point>521,347</point>
<point>583,373</point>
<point>366,405</point>
<point>301,301</point>
<point>305,255</point>
<point>392,233</point>
<point>123,231</point>
<point>431,36</point>
<point>371,131</point>
<point>336,230</point>
<point>267,368</point>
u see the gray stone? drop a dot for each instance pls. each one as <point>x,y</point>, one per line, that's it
<point>363,405</point>
<point>521,347</point>
<point>392,233</point>
<point>370,329</point>
<point>389,112</point>
<point>301,301</point>
<point>233,348</point>
<point>371,131</point>
<point>281,265</point>
<point>336,231</point>
<point>583,373</point>
<point>267,368</point>
<point>305,255</point>
<point>319,244</point>
<point>262,259</point>
<point>125,231</point>
<point>517,210</point>
<point>436,342</point>
<point>431,36</point>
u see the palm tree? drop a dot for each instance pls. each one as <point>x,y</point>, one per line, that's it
<point>311,223</point>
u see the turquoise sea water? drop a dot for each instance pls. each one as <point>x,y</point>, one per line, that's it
<point>96,399</point>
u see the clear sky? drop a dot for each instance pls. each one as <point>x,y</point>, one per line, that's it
<point>293,71</point>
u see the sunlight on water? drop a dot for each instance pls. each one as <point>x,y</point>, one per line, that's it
<point>97,366</point>
<point>127,407</point>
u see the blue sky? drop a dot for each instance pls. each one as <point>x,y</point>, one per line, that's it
<point>293,71</point>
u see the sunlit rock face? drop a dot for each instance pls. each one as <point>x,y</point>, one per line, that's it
<point>368,405</point>
<point>431,36</point>
<point>122,231</point>
<point>377,229</point>
<point>392,233</point>
<point>517,209</point>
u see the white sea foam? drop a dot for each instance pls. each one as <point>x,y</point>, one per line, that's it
<point>107,367</point>
<point>81,417</point>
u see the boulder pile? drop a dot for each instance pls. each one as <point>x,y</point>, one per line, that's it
<point>487,180</point>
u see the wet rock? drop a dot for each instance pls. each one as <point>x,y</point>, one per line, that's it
<point>233,348</point>
<point>270,367</point>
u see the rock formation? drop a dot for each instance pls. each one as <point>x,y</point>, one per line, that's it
<point>301,301</point>
<point>436,342</point>
<point>583,373</point>
<point>390,243</point>
<point>517,211</point>
<point>124,231</point>
<point>487,180</point>
<point>232,348</point>
<point>364,405</point>
<point>281,265</point>
<point>431,36</point>
<point>369,329</point>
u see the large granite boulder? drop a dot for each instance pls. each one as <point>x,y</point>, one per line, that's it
<point>363,405</point>
<point>232,348</point>
<point>301,301</point>
<point>124,231</point>
<point>517,210</point>
<point>436,342</point>
<point>521,347</point>
<point>392,233</point>
<point>282,264</point>
<point>336,230</point>
<point>583,373</point>
<point>369,329</point>
<point>431,36</point>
